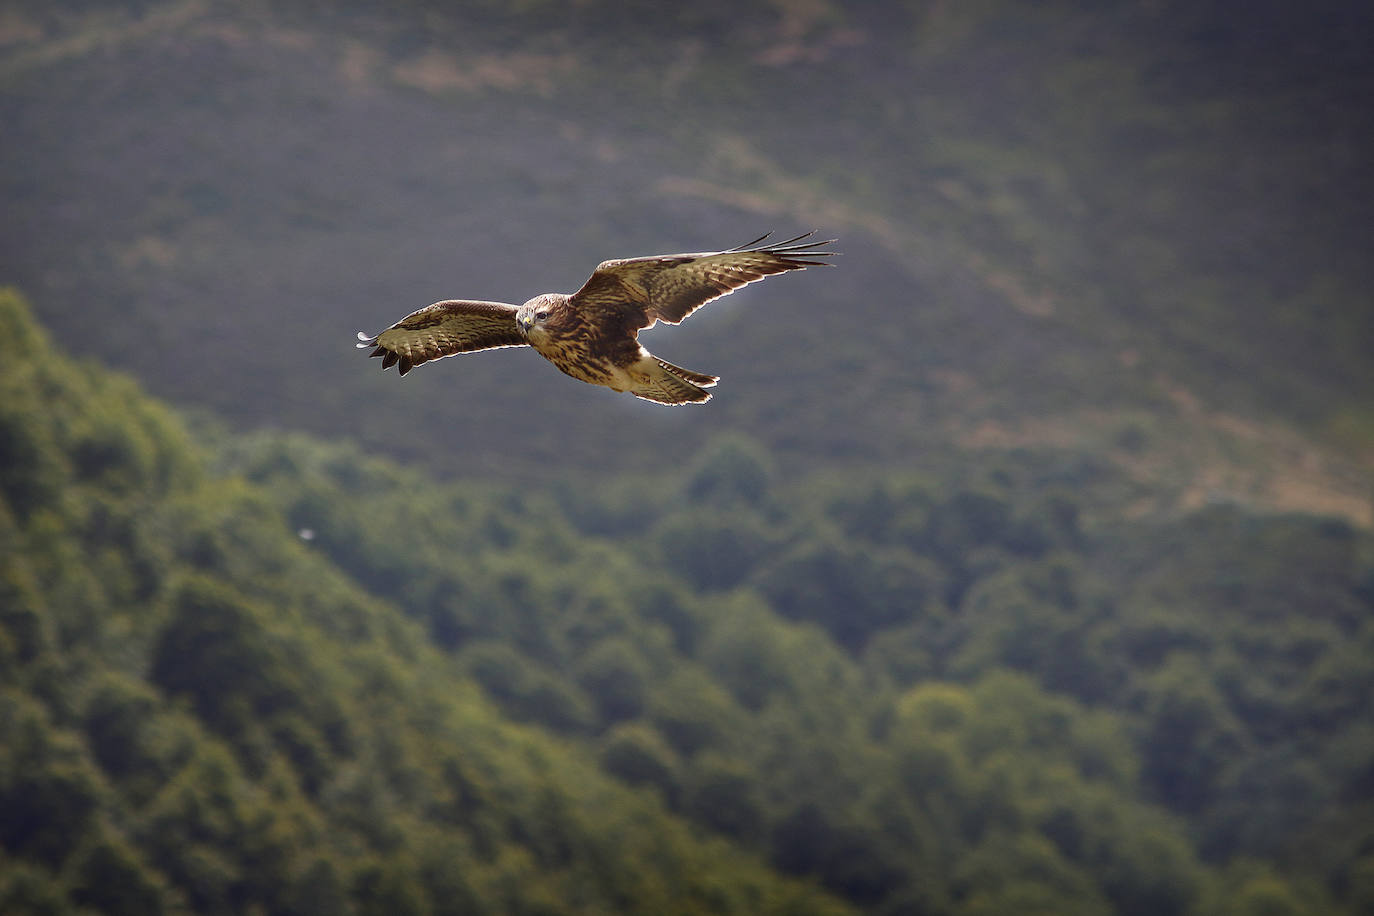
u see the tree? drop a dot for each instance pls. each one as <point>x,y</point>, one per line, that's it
<point>638,755</point>
<point>1191,736</point>
<point>723,794</point>
<point>616,677</point>
<point>49,791</point>
<point>112,877</point>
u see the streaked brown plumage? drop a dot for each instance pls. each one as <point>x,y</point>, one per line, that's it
<point>593,334</point>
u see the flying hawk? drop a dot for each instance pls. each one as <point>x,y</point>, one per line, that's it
<point>593,335</point>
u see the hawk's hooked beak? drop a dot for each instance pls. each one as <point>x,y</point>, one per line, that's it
<point>525,320</point>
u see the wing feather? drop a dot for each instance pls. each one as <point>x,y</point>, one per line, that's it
<point>672,286</point>
<point>445,329</point>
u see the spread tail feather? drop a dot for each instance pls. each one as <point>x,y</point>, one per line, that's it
<point>665,383</point>
<point>687,375</point>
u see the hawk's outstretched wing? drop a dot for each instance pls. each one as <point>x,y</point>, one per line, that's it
<point>672,286</point>
<point>443,329</point>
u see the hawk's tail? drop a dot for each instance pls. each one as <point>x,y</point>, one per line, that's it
<point>687,375</point>
<point>669,384</point>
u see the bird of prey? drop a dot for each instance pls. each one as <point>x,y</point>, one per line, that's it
<point>593,334</point>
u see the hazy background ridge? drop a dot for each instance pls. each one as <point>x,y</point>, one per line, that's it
<point>1056,224</point>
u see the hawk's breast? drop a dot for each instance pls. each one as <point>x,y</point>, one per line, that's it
<point>579,352</point>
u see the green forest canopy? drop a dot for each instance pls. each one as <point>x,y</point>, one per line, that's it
<point>272,674</point>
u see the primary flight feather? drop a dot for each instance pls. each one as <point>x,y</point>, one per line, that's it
<point>593,334</point>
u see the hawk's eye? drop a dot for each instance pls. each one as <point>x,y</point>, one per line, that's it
<point>540,316</point>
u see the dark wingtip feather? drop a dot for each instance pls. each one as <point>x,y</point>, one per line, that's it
<point>789,249</point>
<point>749,246</point>
<point>389,359</point>
<point>406,364</point>
<point>794,239</point>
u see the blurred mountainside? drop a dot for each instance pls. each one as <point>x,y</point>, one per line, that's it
<point>1137,229</point>
<point>1021,563</point>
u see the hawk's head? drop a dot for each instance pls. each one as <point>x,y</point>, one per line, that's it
<point>532,315</point>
